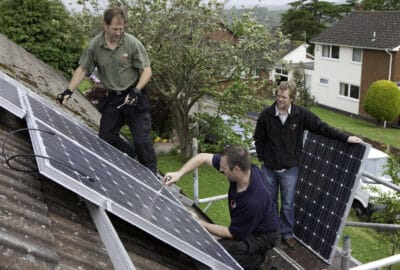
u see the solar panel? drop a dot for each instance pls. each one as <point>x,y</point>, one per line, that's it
<point>329,174</point>
<point>75,157</point>
<point>10,96</point>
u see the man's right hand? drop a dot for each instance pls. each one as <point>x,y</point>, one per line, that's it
<point>64,96</point>
<point>171,178</point>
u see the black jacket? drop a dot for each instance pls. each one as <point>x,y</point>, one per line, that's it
<point>280,146</point>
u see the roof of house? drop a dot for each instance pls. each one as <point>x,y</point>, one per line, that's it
<point>365,29</point>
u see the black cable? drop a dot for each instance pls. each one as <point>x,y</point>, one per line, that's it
<point>8,159</point>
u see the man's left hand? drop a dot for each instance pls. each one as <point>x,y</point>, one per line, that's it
<point>133,96</point>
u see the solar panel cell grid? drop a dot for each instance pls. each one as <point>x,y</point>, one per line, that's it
<point>327,176</point>
<point>101,172</point>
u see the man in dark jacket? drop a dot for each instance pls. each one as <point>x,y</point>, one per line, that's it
<point>279,141</point>
<point>254,221</point>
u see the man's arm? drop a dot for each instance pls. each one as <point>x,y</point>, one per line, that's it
<point>189,166</point>
<point>144,78</point>
<point>217,230</point>
<point>77,77</point>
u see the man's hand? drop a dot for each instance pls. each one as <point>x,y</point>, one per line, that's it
<point>354,139</point>
<point>133,96</point>
<point>171,178</point>
<point>64,96</point>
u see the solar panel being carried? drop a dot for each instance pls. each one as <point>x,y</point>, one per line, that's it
<point>75,157</point>
<point>329,174</point>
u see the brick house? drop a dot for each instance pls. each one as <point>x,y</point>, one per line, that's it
<point>360,49</point>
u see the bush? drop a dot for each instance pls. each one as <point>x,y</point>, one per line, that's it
<point>382,100</point>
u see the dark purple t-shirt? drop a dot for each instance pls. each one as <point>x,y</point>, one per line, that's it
<point>252,210</point>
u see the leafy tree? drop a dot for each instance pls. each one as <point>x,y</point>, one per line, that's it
<point>382,100</point>
<point>304,97</point>
<point>45,29</point>
<point>391,201</point>
<point>189,61</point>
<point>306,19</point>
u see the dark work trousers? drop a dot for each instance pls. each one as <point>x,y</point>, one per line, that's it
<point>250,253</point>
<point>139,123</point>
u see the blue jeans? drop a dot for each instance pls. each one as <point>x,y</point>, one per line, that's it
<point>285,183</point>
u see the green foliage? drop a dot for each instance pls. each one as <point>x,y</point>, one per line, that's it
<point>190,60</point>
<point>391,201</point>
<point>306,19</point>
<point>304,97</point>
<point>214,134</point>
<point>45,29</point>
<point>382,100</point>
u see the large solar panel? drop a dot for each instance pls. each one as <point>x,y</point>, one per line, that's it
<point>10,98</point>
<point>329,174</point>
<point>73,156</point>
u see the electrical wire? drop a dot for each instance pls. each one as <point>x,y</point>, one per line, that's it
<point>8,159</point>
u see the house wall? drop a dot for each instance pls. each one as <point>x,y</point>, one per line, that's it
<point>335,71</point>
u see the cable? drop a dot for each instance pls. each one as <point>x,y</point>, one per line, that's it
<point>8,159</point>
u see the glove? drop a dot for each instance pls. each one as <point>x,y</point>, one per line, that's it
<point>133,96</point>
<point>60,97</point>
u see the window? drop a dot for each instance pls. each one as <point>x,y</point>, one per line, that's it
<point>357,55</point>
<point>281,75</point>
<point>330,51</point>
<point>323,81</point>
<point>348,90</point>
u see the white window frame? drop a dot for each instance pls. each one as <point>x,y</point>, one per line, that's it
<point>324,81</point>
<point>348,90</point>
<point>361,56</point>
<point>329,52</point>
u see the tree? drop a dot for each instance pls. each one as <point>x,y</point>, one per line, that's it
<point>304,97</point>
<point>382,100</point>
<point>45,29</point>
<point>391,201</point>
<point>306,19</point>
<point>189,62</point>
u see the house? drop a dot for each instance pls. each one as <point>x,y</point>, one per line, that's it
<point>360,49</point>
<point>296,53</point>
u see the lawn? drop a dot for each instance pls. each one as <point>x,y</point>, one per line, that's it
<point>361,128</point>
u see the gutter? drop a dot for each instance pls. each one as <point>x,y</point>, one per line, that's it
<point>390,63</point>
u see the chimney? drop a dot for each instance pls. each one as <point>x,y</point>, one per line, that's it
<point>358,5</point>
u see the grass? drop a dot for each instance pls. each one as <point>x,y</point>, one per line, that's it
<point>361,128</point>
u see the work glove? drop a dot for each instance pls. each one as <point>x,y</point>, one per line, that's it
<point>133,96</point>
<point>60,97</point>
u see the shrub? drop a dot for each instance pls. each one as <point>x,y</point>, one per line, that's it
<point>382,100</point>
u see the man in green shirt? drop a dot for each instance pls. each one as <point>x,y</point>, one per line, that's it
<point>123,67</point>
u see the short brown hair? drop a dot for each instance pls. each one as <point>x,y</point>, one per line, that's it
<point>284,85</point>
<point>237,155</point>
<point>111,13</point>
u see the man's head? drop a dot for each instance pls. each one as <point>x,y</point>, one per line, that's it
<point>114,24</point>
<point>235,160</point>
<point>285,94</point>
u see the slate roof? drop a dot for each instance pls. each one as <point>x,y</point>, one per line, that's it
<point>358,28</point>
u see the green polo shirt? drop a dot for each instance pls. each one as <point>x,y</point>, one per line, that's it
<point>119,68</point>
